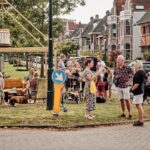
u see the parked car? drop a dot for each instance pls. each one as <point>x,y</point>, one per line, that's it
<point>146,66</point>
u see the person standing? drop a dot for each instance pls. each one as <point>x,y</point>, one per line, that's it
<point>122,79</point>
<point>100,64</point>
<point>90,98</point>
<point>137,90</point>
<point>61,64</point>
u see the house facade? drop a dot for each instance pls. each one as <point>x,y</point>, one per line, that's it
<point>123,31</point>
<point>144,23</point>
<point>88,39</point>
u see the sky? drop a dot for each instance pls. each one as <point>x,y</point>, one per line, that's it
<point>91,8</point>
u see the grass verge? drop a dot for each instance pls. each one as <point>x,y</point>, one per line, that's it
<point>36,114</point>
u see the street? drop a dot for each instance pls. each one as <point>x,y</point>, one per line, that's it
<point>125,137</point>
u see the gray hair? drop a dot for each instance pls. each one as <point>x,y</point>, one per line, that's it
<point>120,57</point>
<point>139,64</point>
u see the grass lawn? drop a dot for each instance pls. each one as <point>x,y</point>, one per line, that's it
<point>36,114</point>
<point>10,70</point>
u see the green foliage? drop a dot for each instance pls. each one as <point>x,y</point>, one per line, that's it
<point>113,55</point>
<point>37,12</point>
<point>89,53</point>
<point>69,48</point>
<point>66,6</point>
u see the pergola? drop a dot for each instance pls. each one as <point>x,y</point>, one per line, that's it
<point>24,50</point>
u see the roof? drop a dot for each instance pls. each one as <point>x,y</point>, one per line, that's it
<point>145,18</point>
<point>75,33</point>
<point>89,27</point>
<point>100,28</point>
<point>72,25</point>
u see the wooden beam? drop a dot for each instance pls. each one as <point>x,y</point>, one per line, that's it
<point>23,50</point>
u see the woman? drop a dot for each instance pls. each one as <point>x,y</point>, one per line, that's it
<point>90,98</point>
<point>137,90</point>
<point>109,80</point>
<point>33,85</point>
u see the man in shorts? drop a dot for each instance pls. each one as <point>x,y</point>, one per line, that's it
<point>123,75</point>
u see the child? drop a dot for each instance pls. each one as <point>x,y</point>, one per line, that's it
<point>1,88</point>
<point>100,90</point>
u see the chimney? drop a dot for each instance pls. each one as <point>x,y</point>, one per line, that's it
<point>91,19</point>
<point>107,13</point>
<point>97,17</point>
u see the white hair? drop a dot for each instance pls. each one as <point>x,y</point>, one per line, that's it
<point>120,57</point>
<point>139,64</point>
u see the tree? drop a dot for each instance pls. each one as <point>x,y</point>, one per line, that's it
<point>69,48</point>
<point>37,12</point>
<point>113,55</point>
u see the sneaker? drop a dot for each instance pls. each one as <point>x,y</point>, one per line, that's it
<point>122,116</point>
<point>138,124</point>
<point>130,117</point>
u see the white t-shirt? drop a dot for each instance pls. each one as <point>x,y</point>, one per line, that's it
<point>101,65</point>
<point>61,64</point>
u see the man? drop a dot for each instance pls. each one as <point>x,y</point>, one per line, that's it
<point>122,76</point>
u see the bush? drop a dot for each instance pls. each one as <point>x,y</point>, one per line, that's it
<point>89,53</point>
<point>113,55</point>
<point>69,48</point>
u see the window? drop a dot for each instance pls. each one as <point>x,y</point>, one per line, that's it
<point>128,27</point>
<point>127,46</point>
<point>113,47</point>
<point>113,30</point>
<point>144,30</point>
<point>113,26</point>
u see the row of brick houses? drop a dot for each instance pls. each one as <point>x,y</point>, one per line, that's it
<point>123,32</point>
<point>119,29</point>
<point>144,22</point>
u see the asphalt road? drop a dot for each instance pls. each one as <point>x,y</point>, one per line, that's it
<point>125,137</point>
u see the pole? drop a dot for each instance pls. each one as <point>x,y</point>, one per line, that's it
<point>105,56</point>
<point>50,92</point>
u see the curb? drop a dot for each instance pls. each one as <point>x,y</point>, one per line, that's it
<point>75,127</point>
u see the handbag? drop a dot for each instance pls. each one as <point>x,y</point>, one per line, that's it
<point>93,89</point>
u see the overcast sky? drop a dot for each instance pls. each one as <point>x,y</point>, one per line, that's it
<point>91,8</point>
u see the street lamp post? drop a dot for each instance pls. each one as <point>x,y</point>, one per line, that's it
<point>105,49</point>
<point>50,91</point>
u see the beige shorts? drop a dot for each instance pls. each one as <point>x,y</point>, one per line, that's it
<point>124,93</point>
<point>138,99</point>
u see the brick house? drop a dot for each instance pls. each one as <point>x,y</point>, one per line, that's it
<point>144,22</point>
<point>123,32</point>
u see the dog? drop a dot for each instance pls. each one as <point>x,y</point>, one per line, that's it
<point>18,99</point>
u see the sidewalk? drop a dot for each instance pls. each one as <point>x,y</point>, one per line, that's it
<point>125,137</point>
